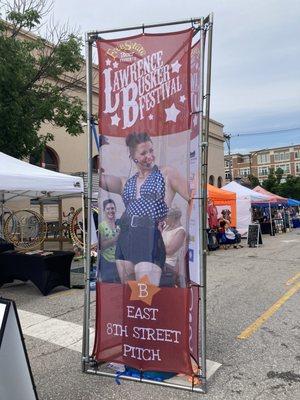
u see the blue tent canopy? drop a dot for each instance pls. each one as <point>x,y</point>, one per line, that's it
<point>292,202</point>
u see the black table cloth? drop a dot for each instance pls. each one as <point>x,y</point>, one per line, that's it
<point>266,228</point>
<point>46,272</point>
<point>4,246</point>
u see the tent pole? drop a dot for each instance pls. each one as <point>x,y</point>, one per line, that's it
<point>2,215</point>
<point>271,224</point>
<point>87,238</point>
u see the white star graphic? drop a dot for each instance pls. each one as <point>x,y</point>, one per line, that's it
<point>115,120</point>
<point>150,116</point>
<point>171,113</point>
<point>115,64</point>
<point>182,99</point>
<point>176,66</point>
<point>195,120</point>
<point>107,62</point>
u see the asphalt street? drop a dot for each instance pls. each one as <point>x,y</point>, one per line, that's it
<point>242,285</point>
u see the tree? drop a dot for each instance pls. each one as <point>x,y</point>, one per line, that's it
<point>279,173</point>
<point>271,182</point>
<point>290,188</point>
<point>37,78</point>
<point>254,181</point>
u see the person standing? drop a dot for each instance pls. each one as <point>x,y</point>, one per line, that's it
<point>108,231</point>
<point>147,195</point>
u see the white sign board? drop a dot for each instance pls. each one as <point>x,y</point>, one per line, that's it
<point>14,363</point>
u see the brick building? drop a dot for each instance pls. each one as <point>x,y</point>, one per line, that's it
<point>259,162</point>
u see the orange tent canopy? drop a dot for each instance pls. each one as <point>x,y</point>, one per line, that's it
<point>224,198</point>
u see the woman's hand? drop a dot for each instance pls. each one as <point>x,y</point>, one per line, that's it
<point>161,225</point>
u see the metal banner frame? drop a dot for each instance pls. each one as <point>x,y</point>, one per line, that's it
<point>200,24</point>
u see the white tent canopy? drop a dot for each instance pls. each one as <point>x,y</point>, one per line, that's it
<point>244,197</point>
<point>19,178</point>
<point>242,191</point>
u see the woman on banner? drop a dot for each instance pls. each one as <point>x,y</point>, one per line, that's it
<point>109,232</point>
<point>147,196</point>
<point>174,239</point>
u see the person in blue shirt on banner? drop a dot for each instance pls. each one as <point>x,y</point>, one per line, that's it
<point>147,196</point>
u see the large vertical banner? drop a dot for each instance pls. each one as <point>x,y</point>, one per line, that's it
<point>147,316</point>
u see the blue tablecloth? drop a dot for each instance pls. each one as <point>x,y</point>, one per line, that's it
<point>296,222</point>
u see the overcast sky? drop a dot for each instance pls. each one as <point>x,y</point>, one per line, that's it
<point>256,57</point>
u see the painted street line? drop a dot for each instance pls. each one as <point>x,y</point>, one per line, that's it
<point>68,335</point>
<point>267,314</point>
<point>293,279</point>
<point>61,333</point>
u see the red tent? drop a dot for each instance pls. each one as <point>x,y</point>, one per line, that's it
<point>273,198</point>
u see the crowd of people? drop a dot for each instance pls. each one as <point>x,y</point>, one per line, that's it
<point>220,226</point>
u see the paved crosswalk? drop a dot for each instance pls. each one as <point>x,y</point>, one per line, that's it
<point>67,334</point>
<point>56,331</point>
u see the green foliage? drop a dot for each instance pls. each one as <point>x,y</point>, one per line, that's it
<point>32,91</point>
<point>290,188</point>
<point>254,181</point>
<point>270,183</point>
<point>279,173</point>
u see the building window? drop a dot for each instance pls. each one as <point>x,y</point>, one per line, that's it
<point>263,171</point>
<point>211,180</point>
<point>282,156</point>
<point>297,154</point>
<point>244,172</point>
<point>263,158</point>
<point>227,175</point>
<point>297,167</point>
<point>245,159</point>
<point>48,160</point>
<point>228,164</point>
<point>220,181</point>
<point>284,167</point>
<point>95,163</point>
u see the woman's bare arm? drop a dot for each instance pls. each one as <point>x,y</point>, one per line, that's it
<point>111,183</point>
<point>178,183</point>
<point>176,242</point>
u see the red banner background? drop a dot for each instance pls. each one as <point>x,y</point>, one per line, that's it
<point>160,336</point>
<point>145,84</point>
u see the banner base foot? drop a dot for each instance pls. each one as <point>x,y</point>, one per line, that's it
<point>179,381</point>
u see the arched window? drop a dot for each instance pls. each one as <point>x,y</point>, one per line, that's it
<point>48,160</point>
<point>220,181</point>
<point>211,180</point>
<point>95,163</point>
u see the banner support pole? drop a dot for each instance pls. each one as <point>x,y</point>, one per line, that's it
<point>88,204</point>
<point>204,161</point>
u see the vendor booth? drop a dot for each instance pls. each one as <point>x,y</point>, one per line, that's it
<point>223,200</point>
<point>19,179</point>
<point>277,200</point>
<point>279,222</point>
<point>244,198</point>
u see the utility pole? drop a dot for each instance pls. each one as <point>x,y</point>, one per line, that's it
<point>227,138</point>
